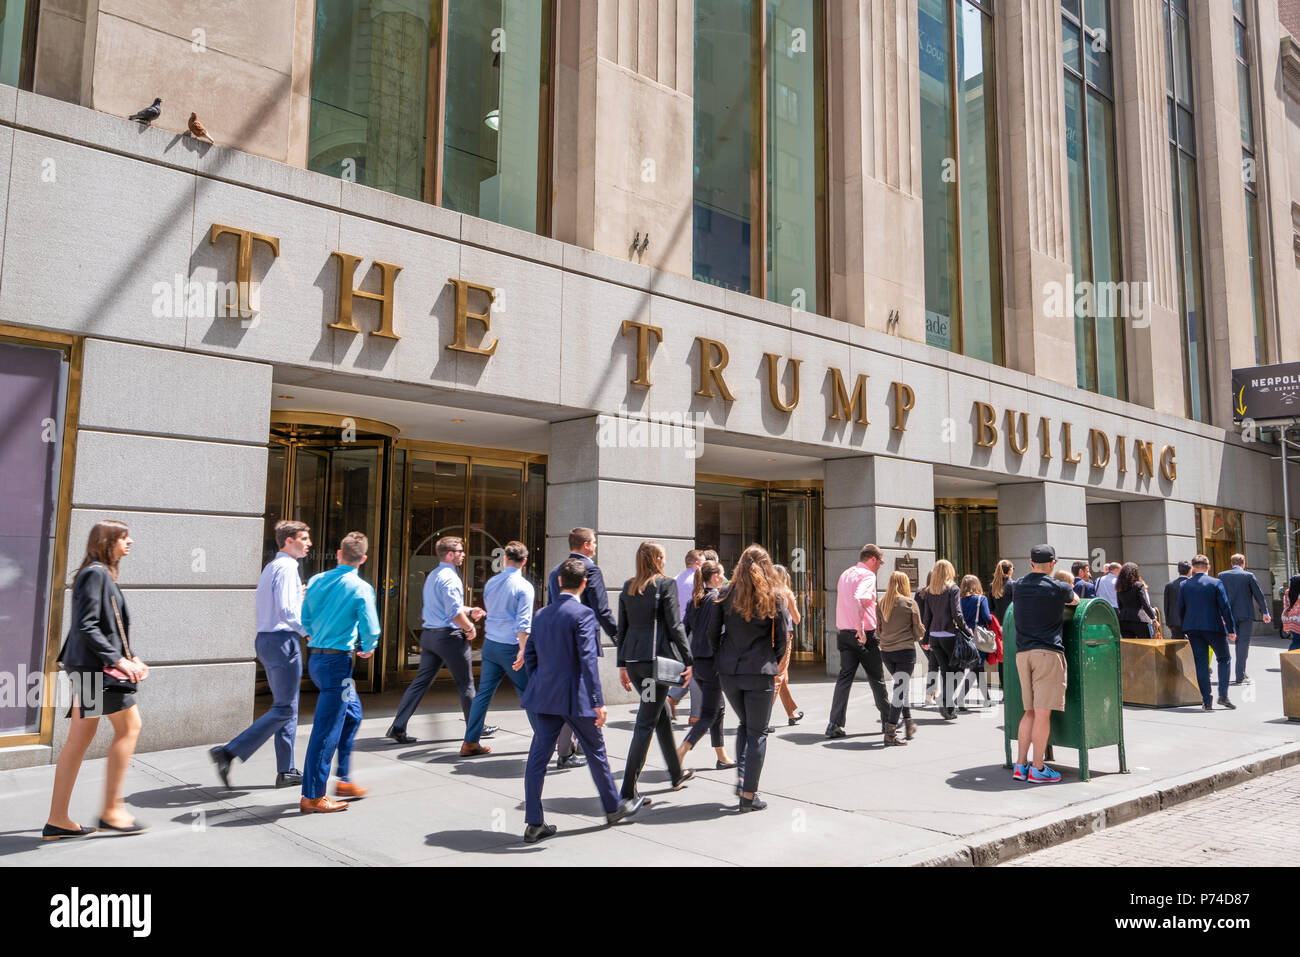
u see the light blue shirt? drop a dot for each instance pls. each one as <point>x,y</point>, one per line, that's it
<point>279,596</point>
<point>340,609</point>
<point>508,598</point>
<point>444,596</point>
<point>1106,590</point>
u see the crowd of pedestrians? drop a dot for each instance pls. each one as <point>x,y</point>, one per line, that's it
<point>724,641</point>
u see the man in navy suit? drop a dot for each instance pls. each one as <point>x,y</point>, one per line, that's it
<point>1207,618</point>
<point>582,546</point>
<point>1243,591</point>
<point>564,688</point>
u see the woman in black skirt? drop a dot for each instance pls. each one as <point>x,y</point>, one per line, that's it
<point>103,674</point>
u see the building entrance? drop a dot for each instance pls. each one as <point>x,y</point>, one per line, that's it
<point>404,496</point>
<point>786,519</point>
<point>966,533</point>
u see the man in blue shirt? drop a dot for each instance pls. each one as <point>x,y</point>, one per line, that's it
<point>279,628</point>
<point>1244,593</point>
<point>508,597</point>
<point>1106,587</point>
<point>1207,619</point>
<point>1083,586</point>
<point>338,612</point>
<point>1038,606</point>
<point>448,631</point>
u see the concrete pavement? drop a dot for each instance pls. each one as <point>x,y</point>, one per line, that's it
<point>944,798</point>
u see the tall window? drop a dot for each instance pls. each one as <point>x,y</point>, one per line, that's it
<point>963,269</point>
<point>760,149</point>
<point>1187,220</point>
<point>17,42</point>
<point>442,100</point>
<point>1249,178</point>
<point>1094,201</point>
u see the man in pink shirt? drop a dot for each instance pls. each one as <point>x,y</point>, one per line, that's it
<point>855,618</point>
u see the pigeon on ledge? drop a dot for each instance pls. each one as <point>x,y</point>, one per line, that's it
<point>198,130</point>
<point>149,113</point>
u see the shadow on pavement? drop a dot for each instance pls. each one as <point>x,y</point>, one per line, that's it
<point>484,766</point>
<point>183,795</point>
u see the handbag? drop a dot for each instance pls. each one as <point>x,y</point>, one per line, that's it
<point>114,678</point>
<point>986,642</point>
<point>1291,618</point>
<point>667,670</point>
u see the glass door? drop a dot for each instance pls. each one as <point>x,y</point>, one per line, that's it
<point>966,533</point>
<point>793,537</point>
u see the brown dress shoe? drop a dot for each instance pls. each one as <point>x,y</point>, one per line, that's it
<point>346,789</point>
<point>470,748</point>
<point>321,805</point>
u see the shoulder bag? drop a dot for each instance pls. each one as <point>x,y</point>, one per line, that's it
<point>114,678</point>
<point>986,641</point>
<point>667,670</point>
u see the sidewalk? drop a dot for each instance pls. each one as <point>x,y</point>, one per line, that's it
<point>849,801</point>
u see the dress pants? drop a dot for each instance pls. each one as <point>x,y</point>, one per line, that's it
<point>783,683</point>
<point>338,715</point>
<point>498,656</point>
<point>708,689</point>
<point>546,729</point>
<point>943,646</point>
<point>1202,642</point>
<point>751,697</point>
<point>899,665</point>
<point>1244,628</point>
<point>651,720</point>
<point>281,657</point>
<point>439,646</point>
<point>853,654</point>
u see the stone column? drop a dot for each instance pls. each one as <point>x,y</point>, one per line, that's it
<point>1034,513</point>
<point>866,498</point>
<point>874,158</point>
<point>1035,188</point>
<point>193,492</point>
<point>630,481</point>
<point>1255,531</point>
<point>1157,535</point>
<point>1155,370</point>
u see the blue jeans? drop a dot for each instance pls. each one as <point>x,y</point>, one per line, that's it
<point>281,656</point>
<point>1244,629</point>
<point>497,659</point>
<point>1202,642</point>
<point>1295,642</point>
<point>338,716</point>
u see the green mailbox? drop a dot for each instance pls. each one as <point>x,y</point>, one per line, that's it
<point>1094,696</point>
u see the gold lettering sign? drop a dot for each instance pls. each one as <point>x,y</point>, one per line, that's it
<point>904,402</point>
<point>1068,455</point>
<point>643,334</point>
<point>461,341</point>
<point>713,359</point>
<point>840,398</point>
<point>1121,461</point>
<point>1100,448</point>
<point>1144,452</point>
<point>988,431</point>
<point>1168,466</point>
<point>347,268</point>
<point>244,259</point>
<point>1018,431</point>
<point>773,383</point>
<point>1045,444</point>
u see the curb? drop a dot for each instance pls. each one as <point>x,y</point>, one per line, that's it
<point>1001,844</point>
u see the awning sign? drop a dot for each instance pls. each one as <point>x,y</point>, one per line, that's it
<point>1266,392</point>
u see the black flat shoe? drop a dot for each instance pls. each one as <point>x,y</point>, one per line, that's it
<point>755,803</point>
<point>289,779</point>
<point>769,730</point>
<point>835,731</point>
<point>1225,703</point>
<point>681,782</point>
<point>798,716</point>
<point>399,737</point>
<point>537,832</point>
<point>221,758</point>
<point>52,833</point>
<point>574,760</point>
<point>129,829</point>
<point>626,809</point>
<point>489,730</point>
<point>724,765</point>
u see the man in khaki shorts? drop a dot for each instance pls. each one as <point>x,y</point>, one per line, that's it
<point>1040,601</point>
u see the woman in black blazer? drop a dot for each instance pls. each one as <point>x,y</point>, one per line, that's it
<point>708,577</point>
<point>650,625</point>
<point>941,615</point>
<point>99,639</point>
<point>1136,616</point>
<point>748,633</point>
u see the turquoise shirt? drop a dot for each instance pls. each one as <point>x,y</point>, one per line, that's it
<point>338,605</point>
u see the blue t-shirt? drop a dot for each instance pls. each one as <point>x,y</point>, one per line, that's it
<point>1039,612</point>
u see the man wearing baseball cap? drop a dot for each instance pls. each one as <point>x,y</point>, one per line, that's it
<point>1039,604</point>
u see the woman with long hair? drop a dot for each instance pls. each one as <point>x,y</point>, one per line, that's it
<point>103,674</point>
<point>1000,590</point>
<point>790,612</point>
<point>708,579</point>
<point>649,627</point>
<point>747,631</point>
<point>1136,616</point>
<point>941,614</point>
<point>975,609</point>
<point>900,629</point>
